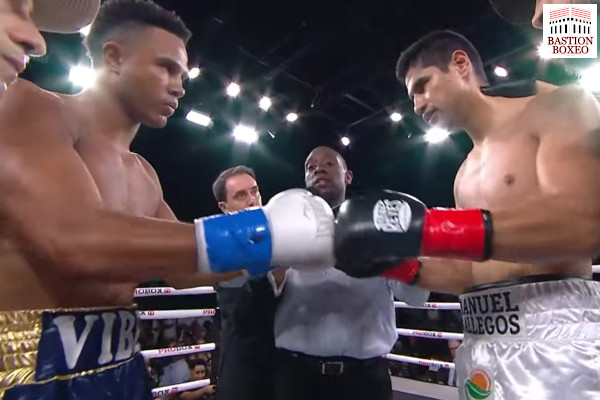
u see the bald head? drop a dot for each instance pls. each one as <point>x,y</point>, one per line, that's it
<point>326,171</point>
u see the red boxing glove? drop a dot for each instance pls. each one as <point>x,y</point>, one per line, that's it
<point>461,234</point>
<point>406,272</point>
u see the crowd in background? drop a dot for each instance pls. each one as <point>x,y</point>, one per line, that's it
<point>165,371</point>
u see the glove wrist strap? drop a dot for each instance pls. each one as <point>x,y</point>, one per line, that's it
<point>406,272</point>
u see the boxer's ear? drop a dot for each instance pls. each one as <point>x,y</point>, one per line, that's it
<point>461,62</point>
<point>112,56</point>
<point>348,177</point>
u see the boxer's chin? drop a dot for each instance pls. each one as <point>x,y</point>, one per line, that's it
<point>156,121</point>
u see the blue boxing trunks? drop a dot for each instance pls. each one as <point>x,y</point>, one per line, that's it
<point>531,340</point>
<point>87,354</point>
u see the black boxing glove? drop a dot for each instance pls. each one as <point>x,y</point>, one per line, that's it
<point>387,227</point>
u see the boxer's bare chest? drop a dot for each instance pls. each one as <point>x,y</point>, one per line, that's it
<point>123,182</point>
<point>500,172</point>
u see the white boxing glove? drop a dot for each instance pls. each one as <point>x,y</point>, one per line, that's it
<point>294,229</point>
<point>302,229</point>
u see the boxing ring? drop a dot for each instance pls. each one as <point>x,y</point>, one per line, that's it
<point>404,388</point>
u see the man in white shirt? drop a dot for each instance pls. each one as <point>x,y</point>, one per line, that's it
<point>332,330</point>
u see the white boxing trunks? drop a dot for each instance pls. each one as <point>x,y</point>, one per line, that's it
<point>536,340</point>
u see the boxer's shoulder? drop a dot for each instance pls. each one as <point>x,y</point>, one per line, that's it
<point>24,99</point>
<point>27,94</point>
<point>563,99</point>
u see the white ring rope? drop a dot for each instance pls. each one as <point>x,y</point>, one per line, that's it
<point>183,350</point>
<point>169,291</point>
<point>430,334</point>
<point>429,306</point>
<point>178,351</point>
<point>174,314</point>
<point>181,387</point>
<point>420,361</point>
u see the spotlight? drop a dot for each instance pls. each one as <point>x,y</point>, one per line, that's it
<point>233,89</point>
<point>85,30</point>
<point>198,118</point>
<point>245,134</point>
<point>81,76</point>
<point>501,72</point>
<point>194,73</point>
<point>396,117</point>
<point>345,141</point>
<point>543,51</point>
<point>590,78</point>
<point>291,117</point>
<point>436,135</point>
<point>265,103</point>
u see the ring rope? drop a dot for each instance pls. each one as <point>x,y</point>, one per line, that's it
<point>169,291</point>
<point>174,314</point>
<point>183,350</point>
<point>429,306</point>
<point>178,351</point>
<point>420,361</point>
<point>181,387</point>
<point>430,334</point>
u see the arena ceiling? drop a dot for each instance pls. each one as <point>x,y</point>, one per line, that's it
<point>332,62</point>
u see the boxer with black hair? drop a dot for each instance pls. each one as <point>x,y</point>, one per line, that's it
<point>518,248</point>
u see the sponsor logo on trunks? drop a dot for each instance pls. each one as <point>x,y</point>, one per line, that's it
<point>493,314</point>
<point>391,215</point>
<point>570,31</point>
<point>87,340</point>
<point>479,385</point>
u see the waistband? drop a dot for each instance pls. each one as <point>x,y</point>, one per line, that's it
<point>42,345</point>
<point>565,308</point>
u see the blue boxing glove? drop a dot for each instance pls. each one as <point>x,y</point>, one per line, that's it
<point>295,229</point>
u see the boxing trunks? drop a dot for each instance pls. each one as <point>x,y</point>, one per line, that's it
<point>531,340</point>
<point>89,354</point>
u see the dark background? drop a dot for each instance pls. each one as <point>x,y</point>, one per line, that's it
<point>331,61</point>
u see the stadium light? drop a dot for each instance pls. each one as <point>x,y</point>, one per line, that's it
<point>590,78</point>
<point>81,76</point>
<point>245,134</point>
<point>436,135</point>
<point>198,118</point>
<point>291,117</point>
<point>396,116</point>
<point>265,103</point>
<point>194,73</point>
<point>345,141</point>
<point>233,89</point>
<point>501,72</point>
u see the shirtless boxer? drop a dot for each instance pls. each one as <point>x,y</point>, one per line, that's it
<point>519,247</point>
<point>82,219</point>
<point>20,22</point>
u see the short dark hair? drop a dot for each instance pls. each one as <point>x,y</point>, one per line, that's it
<point>118,16</point>
<point>193,363</point>
<point>435,49</point>
<point>218,186</point>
